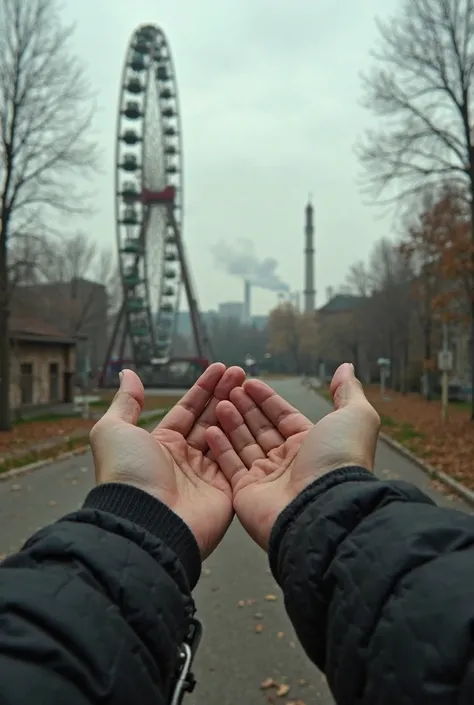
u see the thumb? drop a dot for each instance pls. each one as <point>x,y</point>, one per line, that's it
<point>128,402</point>
<point>346,388</point>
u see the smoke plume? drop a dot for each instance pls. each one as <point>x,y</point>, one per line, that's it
<point>240,261</point>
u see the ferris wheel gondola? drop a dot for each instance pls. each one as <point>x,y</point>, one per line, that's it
<point>149,168</point>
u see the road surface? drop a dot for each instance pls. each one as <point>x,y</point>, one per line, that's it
<point>247,638</point>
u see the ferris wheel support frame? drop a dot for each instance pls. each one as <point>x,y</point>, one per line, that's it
<point>200,335</point>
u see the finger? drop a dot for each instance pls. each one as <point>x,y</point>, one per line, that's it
<point>346,388</point>
<point>128,402</point>
<point>232,377</point>
<point>278,411</point>
<point>262,429</point>
<point>236,430</point>
<point>229,462</point>
<point>183,415</point>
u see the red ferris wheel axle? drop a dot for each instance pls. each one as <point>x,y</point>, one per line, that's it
<point>164,197</point>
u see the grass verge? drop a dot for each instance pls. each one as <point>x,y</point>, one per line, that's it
<point>65,446</point>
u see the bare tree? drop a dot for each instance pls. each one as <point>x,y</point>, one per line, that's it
<point>45,145</point>
<point>358,279</point>
<point>422,88</point>
<point>29,257</point>
<point>391,305</point>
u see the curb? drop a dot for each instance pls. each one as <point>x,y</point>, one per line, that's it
<point>25,469</point>
<point>463,492</point>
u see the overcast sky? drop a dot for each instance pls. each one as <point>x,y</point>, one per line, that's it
<point>269,92</point>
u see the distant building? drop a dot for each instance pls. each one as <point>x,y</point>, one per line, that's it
<point>183,322</point>
<point>231,309</point>
<point>338,337</point>
<point>43,363</point>
<point>340,303</point>
<point>79,308</point>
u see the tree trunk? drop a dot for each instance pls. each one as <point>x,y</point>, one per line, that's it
<point>5,416</point>
<point>471,354</point>
<point>427,372</point>
<point>471,281</point>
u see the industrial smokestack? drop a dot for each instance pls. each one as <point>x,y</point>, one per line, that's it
<point>309,291</point>
<point>247,301</point>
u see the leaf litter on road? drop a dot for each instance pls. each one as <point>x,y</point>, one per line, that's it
<point>283,689</point>
<point>268,683</point>
<point>270,597</point>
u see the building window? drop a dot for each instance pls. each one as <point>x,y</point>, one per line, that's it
<point>53,381</point>
<point>26,382</point>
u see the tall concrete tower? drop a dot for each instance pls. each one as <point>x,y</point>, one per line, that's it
<point>309,290</point>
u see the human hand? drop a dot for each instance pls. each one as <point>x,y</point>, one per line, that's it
<point>173,462</point>
<point>270,452</point>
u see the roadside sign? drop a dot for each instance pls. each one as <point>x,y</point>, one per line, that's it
<point>445,360</point>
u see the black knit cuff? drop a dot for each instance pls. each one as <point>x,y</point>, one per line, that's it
<point>307,496</point>
<point>140,508</point>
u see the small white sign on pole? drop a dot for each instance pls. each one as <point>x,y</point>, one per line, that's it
<point>445,360</point>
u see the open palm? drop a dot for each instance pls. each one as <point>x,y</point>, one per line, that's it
<point>270,452</point>
<point>256,449</point>
<point>173,462</point>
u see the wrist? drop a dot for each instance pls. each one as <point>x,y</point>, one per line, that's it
<point>310,494</point>
<point>141,508</point>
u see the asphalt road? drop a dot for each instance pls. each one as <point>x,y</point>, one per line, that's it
<point>247,638</point>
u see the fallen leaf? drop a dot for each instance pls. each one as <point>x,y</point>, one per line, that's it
<point>241,603</point>
<point>292,645</point>
<point>74,482</point>
<point>282,690</point>
<point>295,702</point>
<point>258,615</point>
<point>270,597</point>
<point>268,683</point>
<point>259,628</point>
<point>302,681</point>
<point>206,571</point>
<point>83,469</point>
<point>280,635</point>
<point>15,488</point>
<point>52,503</point>
<point>250,601</point>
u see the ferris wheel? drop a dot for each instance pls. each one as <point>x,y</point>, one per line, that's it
<point>149,195</point>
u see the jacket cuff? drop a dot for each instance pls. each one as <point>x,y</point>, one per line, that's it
<point>140,508</point>
<point>289,515</point>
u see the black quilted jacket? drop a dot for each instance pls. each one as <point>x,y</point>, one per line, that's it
<point>378,582</point>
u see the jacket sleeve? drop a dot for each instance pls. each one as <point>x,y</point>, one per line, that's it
<point>94,608</point>
<point>378,582</point>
